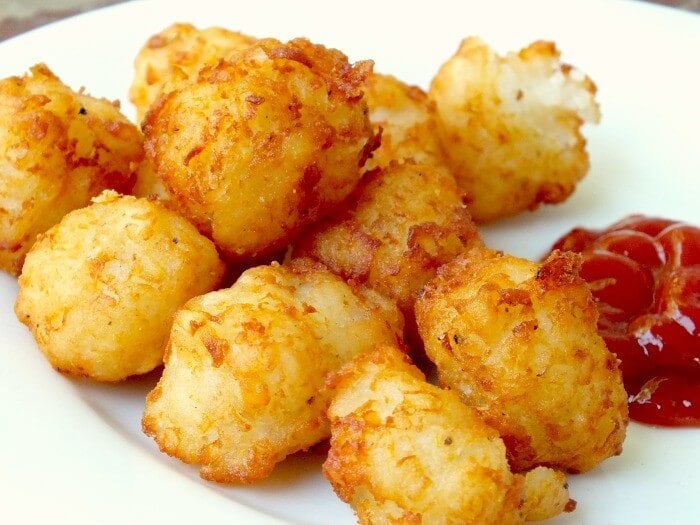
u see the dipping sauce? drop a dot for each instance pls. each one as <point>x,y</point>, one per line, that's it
<point>644,273</point>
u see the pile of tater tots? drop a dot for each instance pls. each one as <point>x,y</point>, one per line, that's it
<point>286,233</point>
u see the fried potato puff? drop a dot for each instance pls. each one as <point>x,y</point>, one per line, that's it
<point>546,494</point>
<point>243,385</point>
<point>519,342</point>
<point>58,149</point>
<point>407,119</point>
<point>263,145</point>
<point>510,126</point>
<point>175,55</point>
<point>98,290</point>
<point>405,451</point>
<point>401,224</point>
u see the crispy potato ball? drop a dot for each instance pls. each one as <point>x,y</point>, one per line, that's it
<point>510,126</point>
<point>175,56</point>
<point>546,494</point>
<point>407,119</point>
<point>405,451</point>
<point>58,148</point>
<point>402,223</point>
<point>243,385</point>
<point>519,342</point>
<point>263,145</point>
<point>99,289</point>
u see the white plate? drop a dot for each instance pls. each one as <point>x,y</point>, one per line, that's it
<point>72,451</point>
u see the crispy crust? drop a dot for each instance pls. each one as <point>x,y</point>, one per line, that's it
<point>510,126</point>
<point>175,55</point>
<point>58,149</point>
<point>99,289</point>
<point>401,223</point>
<point>405,117</point>
<point>546,494</point>
<point>243,384</point>
<point>405,451</point>
<point>519,342</point>
<point>263,145</point>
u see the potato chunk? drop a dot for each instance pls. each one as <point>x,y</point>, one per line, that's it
<point>175,55</point>
<point>98,290</point>
<point>58,149</point>
<point>263,145</point>
<point>405,451</point>
<point>546,494</point>
<point>243,385</point>
<point>510,126</point>
<point>519,342</point>
<point>407,119</point>
<point>401,224</point>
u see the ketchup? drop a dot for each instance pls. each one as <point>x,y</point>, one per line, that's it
<point>644,274</point>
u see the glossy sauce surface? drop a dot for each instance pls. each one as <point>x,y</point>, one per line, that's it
<point>644,274</point>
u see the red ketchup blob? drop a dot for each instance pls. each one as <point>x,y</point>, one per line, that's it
<point>644,274</point>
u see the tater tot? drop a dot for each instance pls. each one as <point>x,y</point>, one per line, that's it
<point>519,341</point>
<point>407,119</point>
<point>58,149</point>
<point>401,224</point>
<point>243,385</point>
<point>175,56</point>
<point>99,289</point>
<point>263,145</point>
<point>546,494</point>
<point>510,126</point>
<point>405,451</point>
